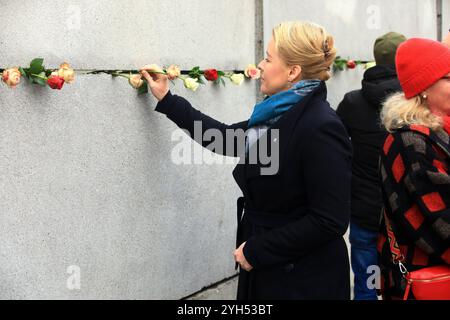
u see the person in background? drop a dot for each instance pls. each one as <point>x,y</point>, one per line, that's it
<point>415,165</point>
<point>291,222</point>
<point>360,113</point>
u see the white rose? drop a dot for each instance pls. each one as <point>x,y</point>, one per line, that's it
<point>191,84</point>
<point>237,78</point>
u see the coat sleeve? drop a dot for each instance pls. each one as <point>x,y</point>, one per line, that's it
<point>326,167</point>
<point>422,170</point>
<point>195,123</point>
<point>342,112</point>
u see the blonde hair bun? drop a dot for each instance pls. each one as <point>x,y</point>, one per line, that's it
<point>306,44</point>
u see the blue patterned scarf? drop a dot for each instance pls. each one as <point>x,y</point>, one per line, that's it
<point>272,108</point>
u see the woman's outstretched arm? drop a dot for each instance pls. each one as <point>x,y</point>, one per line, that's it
<point>204,129</point>
<point>228,140</point>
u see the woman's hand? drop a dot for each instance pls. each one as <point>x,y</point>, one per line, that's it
<point>157,82</point>
<point>240,258</point>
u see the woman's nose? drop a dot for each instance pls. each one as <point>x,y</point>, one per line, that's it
<point>260,65</point>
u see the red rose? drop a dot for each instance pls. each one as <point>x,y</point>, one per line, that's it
<point>351,64</point>
<point>55,82</point>
<point>211,74</point>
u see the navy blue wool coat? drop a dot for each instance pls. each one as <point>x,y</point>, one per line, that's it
<point>292,221</point>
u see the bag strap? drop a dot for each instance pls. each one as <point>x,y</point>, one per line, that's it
<point>397,255</point>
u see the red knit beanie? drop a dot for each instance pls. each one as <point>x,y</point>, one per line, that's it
<point>420,63</point>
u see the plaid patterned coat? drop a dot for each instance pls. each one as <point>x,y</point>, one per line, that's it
<point>414,165</point>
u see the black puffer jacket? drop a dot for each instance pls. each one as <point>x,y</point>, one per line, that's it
<point>360,113</point>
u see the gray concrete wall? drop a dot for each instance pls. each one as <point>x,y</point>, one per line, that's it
<point>86,176</point>
<point>355,24</point>
<point>445,17</point>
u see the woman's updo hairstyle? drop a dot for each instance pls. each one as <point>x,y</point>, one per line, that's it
<point>308,45</point>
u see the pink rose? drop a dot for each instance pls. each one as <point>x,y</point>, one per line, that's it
<point>173,72</point>
<point>66,72</point>
<point>252,72</point>
<point>11,77</point>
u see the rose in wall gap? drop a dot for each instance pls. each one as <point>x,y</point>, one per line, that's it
<point>173,72</point>
<point>66,72</point>
<point>136,81</point>
<point>237,78</point>
<point>11,77</point>
<point>36,73</point>
<point>341,64</point>
<point>191,83</point>
<point>252,72</point>
<point>55,81</point>
<point>193,78</point>
<point>211,74</point>
<point>351,64</point>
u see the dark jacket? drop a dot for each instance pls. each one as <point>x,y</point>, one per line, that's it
<point>294,220</point>
<point>360,113</point>
<point>416,192</point>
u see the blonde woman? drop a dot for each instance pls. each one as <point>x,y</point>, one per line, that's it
<point>415,164</point>
<point>289,240</point>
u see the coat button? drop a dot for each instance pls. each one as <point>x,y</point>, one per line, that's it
<point>289,267</point>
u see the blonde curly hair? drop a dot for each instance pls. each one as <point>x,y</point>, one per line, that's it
<point>398,112</point>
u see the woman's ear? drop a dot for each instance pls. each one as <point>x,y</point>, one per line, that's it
<point>295,73</point>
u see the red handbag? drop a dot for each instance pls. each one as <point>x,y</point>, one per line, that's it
<point>431,283</point>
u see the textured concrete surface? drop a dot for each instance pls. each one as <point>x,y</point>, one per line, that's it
<point>87,180</point>
<point>86,173</point>
<point>445,17</point>
<point>224,291</point>
<point>355,24</point>
<point>127,34</point>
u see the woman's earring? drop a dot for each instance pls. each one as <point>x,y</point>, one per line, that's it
<point>425,97</point>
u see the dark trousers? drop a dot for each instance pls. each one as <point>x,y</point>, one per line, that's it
<point>363,255</point>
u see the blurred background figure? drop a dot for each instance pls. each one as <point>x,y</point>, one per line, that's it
<point>360,113</point>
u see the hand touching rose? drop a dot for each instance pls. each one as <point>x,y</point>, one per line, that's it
<point>157,80</point>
